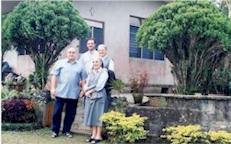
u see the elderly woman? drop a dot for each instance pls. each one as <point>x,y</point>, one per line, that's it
<point>95,99</point>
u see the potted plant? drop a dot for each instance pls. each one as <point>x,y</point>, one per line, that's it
<point>137,83</point>
<point>118,86</point>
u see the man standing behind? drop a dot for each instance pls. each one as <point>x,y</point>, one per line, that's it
<point>108,63</point>
<point>66,77</point>
<point>87,57</point>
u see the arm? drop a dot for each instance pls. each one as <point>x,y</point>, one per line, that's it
<point>111,65</point>
<point>83,81</point>
<point>102,80</point>
<point>53,86</point>
<point>54,73</point>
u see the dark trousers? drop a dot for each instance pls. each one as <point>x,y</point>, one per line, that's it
<point>70,112</point>
<point>107,102</point>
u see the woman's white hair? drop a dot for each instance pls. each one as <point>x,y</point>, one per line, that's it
<point>102,46</point>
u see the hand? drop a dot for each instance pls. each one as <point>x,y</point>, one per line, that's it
<point>81,94</point>
<point>87,93</point>
<point>53,93</point>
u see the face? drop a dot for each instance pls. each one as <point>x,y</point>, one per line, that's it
<point>96,64</point>
<point>91,45</point>
<point>71,54</point>
<point>102,52</point>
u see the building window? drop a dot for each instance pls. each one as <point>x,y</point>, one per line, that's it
<point>134,50</point>
<point>96,32</point>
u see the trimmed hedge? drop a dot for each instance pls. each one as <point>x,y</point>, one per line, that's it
<point>194,134</point>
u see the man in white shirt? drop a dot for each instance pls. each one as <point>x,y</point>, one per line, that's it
<point>107,61</point>
<point>87,57</point>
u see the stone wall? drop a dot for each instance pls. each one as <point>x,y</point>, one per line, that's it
<point>163,110</point>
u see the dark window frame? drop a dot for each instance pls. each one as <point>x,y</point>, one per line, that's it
<point>156,54</point>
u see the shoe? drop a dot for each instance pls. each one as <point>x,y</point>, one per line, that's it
<point>69,135</point>
<point>54,135</point>
<point>96,141</point>
<point>90,139</point>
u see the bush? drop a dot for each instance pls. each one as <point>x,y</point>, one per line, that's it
<point>20,126</point>
<point>119,104</point>
<point>118,85</point>
<point>124,129</point>
<point>193,134</point>
<point>185,134</point>
<point>220,137</point>
<point>18,110</point>
<point>7,93</point>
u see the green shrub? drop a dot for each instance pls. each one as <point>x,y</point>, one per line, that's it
<point>7,93</point>
<point>20,126</point>
<point>118,85</point>
<point>124,129</point>
<point>220,137</point>
<point>185,135</point>
<point>119,104</point>
<point>193,134</point>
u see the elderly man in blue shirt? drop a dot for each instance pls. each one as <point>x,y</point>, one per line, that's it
<point>66,77</point>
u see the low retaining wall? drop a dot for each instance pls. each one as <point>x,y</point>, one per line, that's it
<point>163,110</point>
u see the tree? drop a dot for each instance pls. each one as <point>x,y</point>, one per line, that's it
<point>194,35</point>
<point>222,75</point>
<point>5,42</point>
<point>225,6</point>
<point>43,28</point>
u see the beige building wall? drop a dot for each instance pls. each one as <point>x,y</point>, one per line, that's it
<point>115,16</point>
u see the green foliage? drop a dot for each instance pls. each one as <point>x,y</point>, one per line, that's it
<point>118,85</point>
<point>223,5</point>
<point>194,35</point>
<point>44,28</point>
<point>20,126</point>
<point>17,83</point>
<point>10,79</point>
<point>190,134</point>
<point>124,129</point>
<point>193,134</point>
<point>5,42</point>
<point>119,104</point>
<point>8,93</point>
<point>221,80</point>
<point>220,137</point>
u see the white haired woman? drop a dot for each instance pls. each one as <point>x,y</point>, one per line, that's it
<point>95,99</point>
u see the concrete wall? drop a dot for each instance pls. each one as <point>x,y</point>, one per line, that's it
<point>211,112</point>
<point>115,16</point>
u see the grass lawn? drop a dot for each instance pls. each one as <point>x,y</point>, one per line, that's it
<point>41,136</point>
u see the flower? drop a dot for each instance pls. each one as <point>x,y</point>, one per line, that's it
<point>138,82</point>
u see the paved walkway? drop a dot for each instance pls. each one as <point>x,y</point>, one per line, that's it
<point>78,123</point>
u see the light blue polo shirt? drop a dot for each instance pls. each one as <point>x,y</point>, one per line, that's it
<point>68,76</point>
